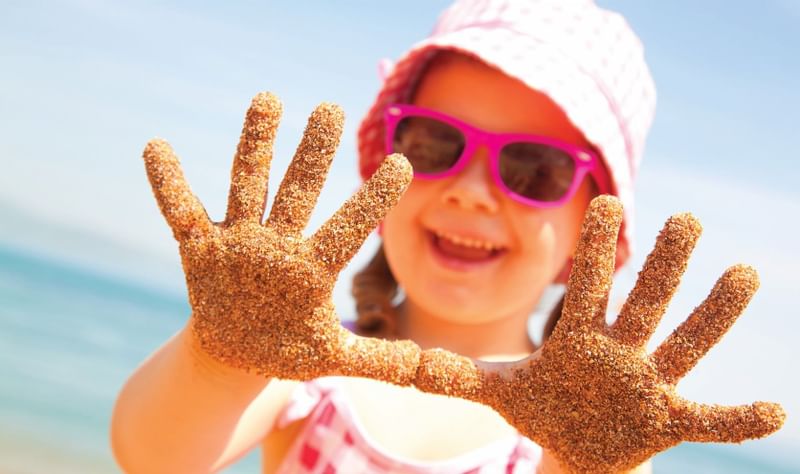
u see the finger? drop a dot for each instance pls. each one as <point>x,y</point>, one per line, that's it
<point>250,173</point>
<point>727,424</point>
<point>303,181</point>
<point>182,210</point>
<point>690,341</point>
<point>340,237</point>
<point>590,281</point>
<point>445,373</point>
<point>657,281</point>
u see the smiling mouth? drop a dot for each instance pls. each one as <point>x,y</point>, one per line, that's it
<point>458,249</point>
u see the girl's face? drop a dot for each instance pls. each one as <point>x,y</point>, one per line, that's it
<point>461,249</point>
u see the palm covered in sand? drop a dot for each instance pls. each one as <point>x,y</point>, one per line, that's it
<point>592,394</point>
<point>261,293</point>
<point>261,301</point>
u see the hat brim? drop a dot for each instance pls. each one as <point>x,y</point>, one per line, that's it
<point>539,66</point>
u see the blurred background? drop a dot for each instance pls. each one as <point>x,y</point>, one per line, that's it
<point>90,279</point>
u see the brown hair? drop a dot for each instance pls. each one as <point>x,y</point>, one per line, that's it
<point>374,289</point>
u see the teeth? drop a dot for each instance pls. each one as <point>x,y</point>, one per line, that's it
<point>467,242</point>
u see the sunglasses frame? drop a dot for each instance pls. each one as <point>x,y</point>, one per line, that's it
<point>586,161</point>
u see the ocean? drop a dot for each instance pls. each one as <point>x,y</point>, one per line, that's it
<point>70,336</point>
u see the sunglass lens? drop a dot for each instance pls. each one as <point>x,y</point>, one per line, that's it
<point>536,171</point>
<point>431,146</point>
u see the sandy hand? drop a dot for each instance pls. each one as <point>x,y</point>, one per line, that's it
<point>593,395</point>
<point>261,293</point>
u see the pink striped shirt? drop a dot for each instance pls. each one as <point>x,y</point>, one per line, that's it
<point>332,441</point>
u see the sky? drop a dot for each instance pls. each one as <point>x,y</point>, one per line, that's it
<point>86,83</point>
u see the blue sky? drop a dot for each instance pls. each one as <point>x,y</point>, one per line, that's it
<point>86,83</point>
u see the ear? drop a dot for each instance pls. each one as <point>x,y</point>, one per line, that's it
<point>380,228</point>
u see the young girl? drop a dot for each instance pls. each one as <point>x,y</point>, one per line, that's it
<point>514,116</point>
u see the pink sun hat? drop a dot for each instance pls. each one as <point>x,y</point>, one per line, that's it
<point>586,59</point>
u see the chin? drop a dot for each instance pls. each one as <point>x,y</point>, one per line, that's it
<point>457,305</point>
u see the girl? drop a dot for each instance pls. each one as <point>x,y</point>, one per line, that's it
<point>514,115</point>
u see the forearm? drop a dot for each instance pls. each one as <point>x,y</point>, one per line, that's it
<point>180,411</point>
<point>550,465</point>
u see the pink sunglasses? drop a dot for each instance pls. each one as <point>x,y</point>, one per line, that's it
<point>534,170</point>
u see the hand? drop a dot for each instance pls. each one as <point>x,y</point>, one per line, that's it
<point>261,293</point>
<point>592,395</point>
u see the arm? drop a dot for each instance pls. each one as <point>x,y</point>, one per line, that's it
<point>551,465</point>
<point>182,411</point>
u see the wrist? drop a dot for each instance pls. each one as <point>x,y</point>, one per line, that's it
<point>212,367</point>
<point>551,465</point>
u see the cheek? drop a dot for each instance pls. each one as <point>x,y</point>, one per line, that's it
<point>402,233</point>
<point>566,221</point>
<point>548,241</point>
<point>395,244</point>
<point>419,196</point>
<point>538,256</point>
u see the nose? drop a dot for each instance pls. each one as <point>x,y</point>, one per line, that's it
<point>472,188</point>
